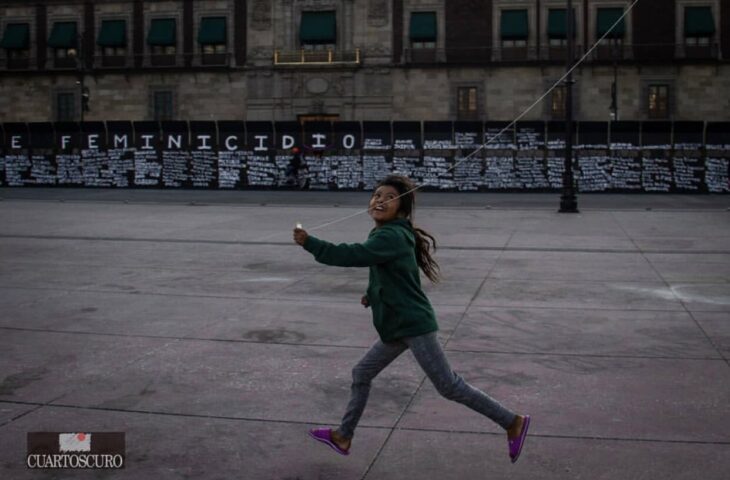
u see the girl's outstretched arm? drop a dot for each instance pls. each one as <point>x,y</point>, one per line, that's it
<point>384,244</point>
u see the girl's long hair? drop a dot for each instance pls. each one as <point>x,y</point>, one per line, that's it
<point>425,242</point>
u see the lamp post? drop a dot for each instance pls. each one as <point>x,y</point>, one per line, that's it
<point>81,61</point>
<point>614,85</point>
<point>568,201</point>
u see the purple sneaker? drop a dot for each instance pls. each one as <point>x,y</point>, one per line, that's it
<point>324,435</point>
<point>515,445</point>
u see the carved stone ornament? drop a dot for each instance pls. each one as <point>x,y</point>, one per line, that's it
<point>261,15</point>
<point>317,85</point>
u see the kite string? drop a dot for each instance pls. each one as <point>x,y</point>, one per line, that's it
<point>491,139</point>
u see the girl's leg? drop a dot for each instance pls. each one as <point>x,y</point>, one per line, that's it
<point>432,360</point>
<point>378,357</point>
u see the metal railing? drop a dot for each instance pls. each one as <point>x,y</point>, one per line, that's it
<point>317,57</point>
<point>101,62</point>
<point>468,55</point>
<point>558,53</point>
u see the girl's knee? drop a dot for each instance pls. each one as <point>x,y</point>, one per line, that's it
<point>361,375</point>
<point>449,388</point>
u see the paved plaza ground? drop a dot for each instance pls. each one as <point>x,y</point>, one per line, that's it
<point>191,322</point>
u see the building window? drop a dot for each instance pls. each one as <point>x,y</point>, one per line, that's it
<point>557,27</point>
<point>466,103</point>
<point>113,38</point>
<point>162,105</point>
<point>113,42</point>
<point>610,46</point>
<point>114,51</point>
<point>514,33</point>
<point>213,40</point>
<point>65,107</point>
<point>423,30</point>
<point>605,19</point>
<point>318,30</point>
<point>699,25</point>
<point>558,103</point>
<point>514,29</point>
<point>658,101</point>
<point>699,32</point>
<point>18,54</point>
<point>162,39</point>
<point>16,42</point>
<point>64,42</point>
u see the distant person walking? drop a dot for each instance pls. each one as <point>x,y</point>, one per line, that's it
<point>293,170</point>
<point>402,314</point>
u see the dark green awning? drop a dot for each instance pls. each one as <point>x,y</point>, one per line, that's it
<point>16,37</point>
<point>557,23</point>
<point>514,25</point>
<point>423,27</point>
<point>318,27</point>
<point>113,33</point>
<point>212,31</point>
<point>698,22</point>
<point>162,32</point>
<point>63,35</point>
<point>606,18</point>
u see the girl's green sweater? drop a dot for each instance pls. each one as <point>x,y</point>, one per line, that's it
<point>400,308</point>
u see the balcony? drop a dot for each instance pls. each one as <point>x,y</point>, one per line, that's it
<point>197,60</point>
<point>558,54</point>
<point>111,61</point>
<point>602,54</point>
<point>19,63</point>
<point>115,62</point>
<point>63,63</point>
<point>424,55</point>
<point>608,53</point>
<point>698,51</point>
<point>317,57</point>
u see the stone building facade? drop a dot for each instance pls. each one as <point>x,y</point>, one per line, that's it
<point>360,60</point>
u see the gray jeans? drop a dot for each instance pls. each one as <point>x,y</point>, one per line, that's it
<point>431,358</point>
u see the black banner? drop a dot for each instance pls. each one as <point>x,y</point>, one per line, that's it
<point>203,155</point>
<point>318,137</point>
<point>96,166</point>
<point>593,158</point>
<point>406,135</point>
<point>147,154</point>
<point>121,153</point>
<point>718,157</point>
<point>468,135</point>
<point>69,166</point>
<point>438,136</point>
<point>377,136</point>
<point>656,156</point>
<point>347,136</point>
<point>231,155</point>
<point>262,170</point>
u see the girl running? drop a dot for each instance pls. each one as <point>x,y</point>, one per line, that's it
<point>402,314</point>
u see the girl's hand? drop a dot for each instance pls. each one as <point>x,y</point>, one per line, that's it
<point>364,301</point>
<point>300,235</point>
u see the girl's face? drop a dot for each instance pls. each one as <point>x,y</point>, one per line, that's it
<point>384,205</point>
